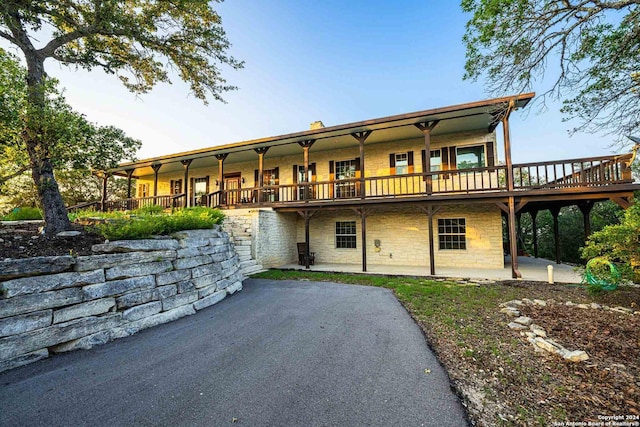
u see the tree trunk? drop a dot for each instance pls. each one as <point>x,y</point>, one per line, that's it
<point>54,210</point>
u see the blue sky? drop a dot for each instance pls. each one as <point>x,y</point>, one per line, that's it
<point>307,60</point>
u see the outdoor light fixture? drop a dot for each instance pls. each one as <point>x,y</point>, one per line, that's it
<point>243,180</point>
<point>217,183</point>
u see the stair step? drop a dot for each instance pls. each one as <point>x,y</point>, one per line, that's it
<point>253,270</point>
<point>247,263</point>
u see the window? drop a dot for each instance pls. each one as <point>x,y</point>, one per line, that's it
<point>470,157</point>
<point>176,187</point>
<point>436,160</point>
<point>346,170</point>
<point>346,234</point>
<point>402,164</point>
<point>452,233</point>
<point>143,190</point>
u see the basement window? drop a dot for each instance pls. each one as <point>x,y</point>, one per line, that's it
<point>452,233</point>
<point>346,234</point>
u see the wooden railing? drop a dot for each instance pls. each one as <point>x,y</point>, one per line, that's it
<point>587,172</point>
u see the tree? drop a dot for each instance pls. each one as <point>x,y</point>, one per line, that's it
<point>594,47</point>
<point>77,146</point>
<point>138,40</point>
<point>619,243</point>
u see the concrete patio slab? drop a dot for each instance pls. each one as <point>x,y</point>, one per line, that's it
<point>534,269</point>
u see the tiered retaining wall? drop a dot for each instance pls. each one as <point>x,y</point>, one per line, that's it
<point>57,304</point>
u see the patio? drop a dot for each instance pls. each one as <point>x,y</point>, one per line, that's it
<point>534,269</point>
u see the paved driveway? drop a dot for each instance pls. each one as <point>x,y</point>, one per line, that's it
<point>277,354</point>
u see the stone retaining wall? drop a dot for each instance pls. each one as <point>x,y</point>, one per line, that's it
<point>57,304</point>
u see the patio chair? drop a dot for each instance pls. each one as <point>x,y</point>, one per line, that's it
<point>302,247</point>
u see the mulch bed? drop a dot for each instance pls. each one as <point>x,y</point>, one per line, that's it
<point>25,240</point>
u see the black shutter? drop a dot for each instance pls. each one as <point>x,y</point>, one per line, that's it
<point>423,154</point>
<point>357,162</point>
<point>392,164</point>
<point>490,155</point>
<point>255,178</point>
<point>410,161</point>
<point>276,173</point>
<point>295,174</point>
<point>312,167</point>
<point>452,158</point>
<point>331,171</point>
<point>444,158</point>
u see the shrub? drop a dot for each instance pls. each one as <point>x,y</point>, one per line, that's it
<point>157,223</point>
<point>23,214</point>
<point>619,244</point>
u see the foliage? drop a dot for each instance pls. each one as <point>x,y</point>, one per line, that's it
<point>138,40</point>
<point>147,222</point>
<point>23,213</point>
<point>619,244</point>
<point>589,50</point>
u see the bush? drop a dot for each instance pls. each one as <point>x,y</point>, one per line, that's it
<point>23,214</point>
<point>152,223</point>
<point>619,244</point>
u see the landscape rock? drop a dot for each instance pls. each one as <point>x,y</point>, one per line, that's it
<point>517,326</point>
<point>510,311</point>
<point>137,270</point>
<point>84,343</point>
<point>91,308</point>
<point>524,320</point>
<point>118,287</point>
<point>13,268</point>
<point>210,300</point>
<point>156,319</point>
<point>178,300</point>
<point>25,322</point>
<point>140,311</point>
<point>232,289</point>
<point>23,359</point>
<point>94,262</point>
<point>576,356</point>
<point>32,285</point>
<point>540,302</point>
<point>144,245</point>
<point>35,302</point>
<point>69,233</point>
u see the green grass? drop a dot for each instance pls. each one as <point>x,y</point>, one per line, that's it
<point>147,222</point>
<point>23,214</point>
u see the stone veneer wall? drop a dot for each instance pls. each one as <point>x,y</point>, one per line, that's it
<point>57,304</point>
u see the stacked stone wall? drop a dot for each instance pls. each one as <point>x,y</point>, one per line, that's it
<point>57,304</point>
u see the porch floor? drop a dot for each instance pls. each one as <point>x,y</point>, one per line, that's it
<point>534,269</point>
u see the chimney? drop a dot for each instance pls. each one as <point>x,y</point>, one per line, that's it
<point>317,125</point>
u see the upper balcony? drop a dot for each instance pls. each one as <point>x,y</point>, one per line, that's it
<point>569,177</point>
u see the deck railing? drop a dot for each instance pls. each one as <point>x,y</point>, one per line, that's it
<point>554,175</point>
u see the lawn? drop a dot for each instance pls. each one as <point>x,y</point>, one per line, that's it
<point>498,374</point>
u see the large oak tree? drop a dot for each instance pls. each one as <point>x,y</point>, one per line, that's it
<point>583,52</point>
<point>140,41</point>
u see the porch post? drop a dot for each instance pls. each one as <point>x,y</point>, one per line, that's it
<point>364,213</point>
<point>513,242</point>
<point>534,233</point>
<point>306,145</point>
<point>261,152</point>
<point>585,208</point>
<point>426,129</point>
<point>362,137</point>
<point>221,158</point>
<point>555,211</point>
<point>129,176</point>
<point>432,257</point>
<point>186,164</point>
<point>156,168</point>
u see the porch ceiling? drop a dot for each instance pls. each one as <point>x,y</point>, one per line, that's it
<point>457,118</point>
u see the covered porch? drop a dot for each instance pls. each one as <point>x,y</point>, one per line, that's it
<point>533,269</point>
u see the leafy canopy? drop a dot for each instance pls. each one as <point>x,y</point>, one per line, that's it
<point>75,143</point>
<point>139,40</point>
<point>589,51</point>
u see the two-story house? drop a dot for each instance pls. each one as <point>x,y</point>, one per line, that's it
<point>417,189</point>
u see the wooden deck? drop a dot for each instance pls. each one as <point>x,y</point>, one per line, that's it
<point>594,177</point>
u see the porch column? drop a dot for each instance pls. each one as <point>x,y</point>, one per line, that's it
<point>362,137</point>
<point>186,164</point>
<point>585,208</point>
<point>261,152</point>
<point>513,242</point>
<point>432,255</point>
<point>364,213</point>
<point>156,168</point>
<point>426,129</point>
<point>534,233</point>
<point>221,158</point>
<point>129,176</point>
<point>555,211</point>
<point>306,146</point>
<point>306,215</point>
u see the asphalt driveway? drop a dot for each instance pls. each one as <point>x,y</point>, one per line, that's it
<point>279,353</point>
